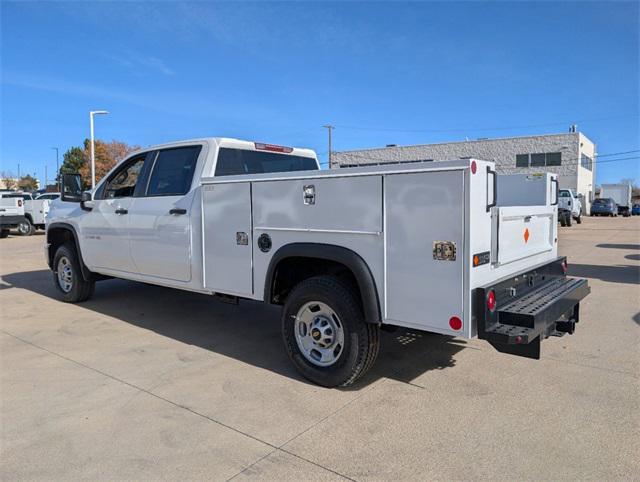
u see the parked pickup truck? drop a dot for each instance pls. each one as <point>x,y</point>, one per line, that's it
<point>11,214</point>
<point>569,207</point>
<point>427,246</point>
<point>35,212</point>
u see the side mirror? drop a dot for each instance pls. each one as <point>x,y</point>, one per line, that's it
<point>71,189</point>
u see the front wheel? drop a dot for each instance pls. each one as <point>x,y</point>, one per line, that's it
<point>25,228</point>
<point>68,278</point>
<point>579,219</point>
<point>325,334</point>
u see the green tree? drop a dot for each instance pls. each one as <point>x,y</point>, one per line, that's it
<point>28,183</point>
<point>73,160</point>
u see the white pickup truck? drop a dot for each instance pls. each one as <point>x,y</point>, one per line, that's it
<point>35,212</point>
<point>427,246</point>
<point>11,213</point>
<point>569,207</point>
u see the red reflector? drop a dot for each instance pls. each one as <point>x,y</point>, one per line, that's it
<point>272,147</point>
<point>19,203</point>
<point>518,339</point>
<point>474,167</point>
<point>455,323</point>
<point>491,301</point>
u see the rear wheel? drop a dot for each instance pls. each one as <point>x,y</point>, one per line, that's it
<point>25,228</point>
<point>4,233</point>
<point>68,278</point>
<point>325,334</point>
<point>579,219</point>
<point>569,220</point>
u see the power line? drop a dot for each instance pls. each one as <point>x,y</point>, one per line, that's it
<point>467,129</point>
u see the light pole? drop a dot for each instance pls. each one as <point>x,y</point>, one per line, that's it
<point>93,156</point>
<point>57,169</point>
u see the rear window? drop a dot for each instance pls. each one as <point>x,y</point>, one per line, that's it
<point>26,197</point>
<point>232,162</point>
<point>565,194</point>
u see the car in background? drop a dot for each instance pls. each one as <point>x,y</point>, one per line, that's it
<point>49,195</point>
<point>604,207</point>
<point>635,210</point>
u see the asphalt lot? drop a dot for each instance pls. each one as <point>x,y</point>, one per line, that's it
<point>149,383</point>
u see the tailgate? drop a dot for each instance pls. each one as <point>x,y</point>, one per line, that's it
<point>11,207</point>
<point>521,231</point>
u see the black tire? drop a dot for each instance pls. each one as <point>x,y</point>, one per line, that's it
<point>4,233</point>
<point>361,339</point>
<point>579,219</point>
<point>80,289</point>
<point>569,220</point>
<point>563,221</point>
<point>25,228</point>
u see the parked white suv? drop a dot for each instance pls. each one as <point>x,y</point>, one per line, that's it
<point>426,246</point>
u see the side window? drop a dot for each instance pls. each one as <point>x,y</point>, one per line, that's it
<point>123,182</point>
<point>173,171</point>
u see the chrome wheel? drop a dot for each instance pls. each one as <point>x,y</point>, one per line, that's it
<point>65,274</point>
<point>319,333</point>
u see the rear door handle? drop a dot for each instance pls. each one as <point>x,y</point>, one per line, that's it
<point>121,211</point>
<point>178,211</point>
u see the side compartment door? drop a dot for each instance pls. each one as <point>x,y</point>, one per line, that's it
<point>424,286</point>
<point>160,220</point>
<point>227,238</point>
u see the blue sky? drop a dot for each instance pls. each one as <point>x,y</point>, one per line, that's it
<point>403,73</point>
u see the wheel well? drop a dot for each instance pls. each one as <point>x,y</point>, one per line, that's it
<point>29,218</point>
<point>291,271</point>
<point>296,262</point>
<point>56,237</point>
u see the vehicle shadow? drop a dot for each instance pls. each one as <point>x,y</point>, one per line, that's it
<point>249,332</point>
<point>618,246</point>
<point>613,274</point>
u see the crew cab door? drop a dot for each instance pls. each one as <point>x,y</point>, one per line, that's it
<point>160,217</point>
<point>105,229</point>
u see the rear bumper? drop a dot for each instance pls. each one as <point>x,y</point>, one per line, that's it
<point>531,306</point>
<point>11,220</point>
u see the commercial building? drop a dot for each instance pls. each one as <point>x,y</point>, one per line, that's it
<point>570,155</point>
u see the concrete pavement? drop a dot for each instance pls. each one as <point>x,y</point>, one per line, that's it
<point>148,383</point>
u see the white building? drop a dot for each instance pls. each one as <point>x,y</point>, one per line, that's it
<point>570,155</point>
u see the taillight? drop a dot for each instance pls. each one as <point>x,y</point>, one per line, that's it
<point>474,167</point>
<point>19,203</point>
<point>565,266</point>
<point>491,301</point>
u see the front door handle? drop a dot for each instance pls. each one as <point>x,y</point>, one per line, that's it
<point>121,211</point>
<point>178,211</point>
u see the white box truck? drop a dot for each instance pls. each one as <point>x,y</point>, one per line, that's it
<point>428,246</point>
<point>621,194</point>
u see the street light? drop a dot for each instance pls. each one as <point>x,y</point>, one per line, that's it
<point>93,157</point>
<point>57,169</point>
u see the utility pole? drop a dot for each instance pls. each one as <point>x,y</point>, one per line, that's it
<point>329,128</point>
<point>18,171</point>
<point>57,169</point>
<point>46,177</point>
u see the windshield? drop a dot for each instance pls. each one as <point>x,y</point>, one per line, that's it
<point>232,162</point>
